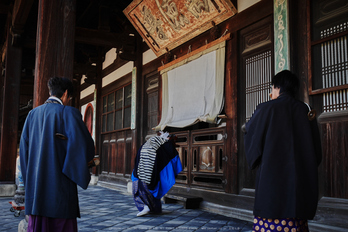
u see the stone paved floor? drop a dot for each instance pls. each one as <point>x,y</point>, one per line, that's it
<point>104,209</point>
<point>8,222</point>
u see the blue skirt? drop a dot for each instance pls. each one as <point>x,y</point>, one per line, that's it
<point>142,196</point>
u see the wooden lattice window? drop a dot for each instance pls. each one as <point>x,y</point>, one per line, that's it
<point>258,80</point>
<point>151,101</point>
<point>329,49</point>
<point>117,109</point>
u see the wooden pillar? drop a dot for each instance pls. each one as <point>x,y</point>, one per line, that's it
<point>299,60</point>
<point>98,109</point>
<point>2,70</point>
<point>231,174</point>
<point>75,102</point>
<point>136,133</point>
<point>10,103</point>
<point>54,44</point>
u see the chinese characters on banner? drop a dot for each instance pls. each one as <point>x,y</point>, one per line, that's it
<point>281,36</point>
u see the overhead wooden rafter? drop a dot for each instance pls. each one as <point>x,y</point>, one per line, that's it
<point>21,11</point>
<point>20,14</point>
<point>102,38</point>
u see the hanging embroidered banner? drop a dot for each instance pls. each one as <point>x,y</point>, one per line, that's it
<point>134,96</point>
<point>166,24</point>
<point>281,35</point>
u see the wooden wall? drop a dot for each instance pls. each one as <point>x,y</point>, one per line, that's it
<point>334,167</point>
<point>333,170</point>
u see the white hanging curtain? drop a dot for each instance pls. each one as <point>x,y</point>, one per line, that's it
<point>193,89</point>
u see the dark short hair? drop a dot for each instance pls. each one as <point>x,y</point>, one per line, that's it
<point>287,82</point>
<point>58,85</point>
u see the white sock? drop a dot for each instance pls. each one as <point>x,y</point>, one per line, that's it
<point>145,211</point>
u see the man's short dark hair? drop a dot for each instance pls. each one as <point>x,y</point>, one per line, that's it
<point>287,82</point>
<point>58,85</point>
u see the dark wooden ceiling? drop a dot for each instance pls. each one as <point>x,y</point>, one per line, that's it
<point>100,26</point>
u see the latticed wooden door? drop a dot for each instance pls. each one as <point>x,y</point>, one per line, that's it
<point>256,71</point>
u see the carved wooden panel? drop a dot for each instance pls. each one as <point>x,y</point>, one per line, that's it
<point>202,155</point>
<point>183,150</point>
<point>260,37</point>
<point>208,146</point>
<point>207,158</point>
<point>166,24</point>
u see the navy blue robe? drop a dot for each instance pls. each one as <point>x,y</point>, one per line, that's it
<point>284,146</point>
<point>51,165</point>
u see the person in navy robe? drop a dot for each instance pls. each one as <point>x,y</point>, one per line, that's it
<point>282,142</point>
<point>55,148</point>
<point>156,165</point>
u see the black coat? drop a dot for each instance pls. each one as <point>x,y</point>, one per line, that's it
<point>285,146</point>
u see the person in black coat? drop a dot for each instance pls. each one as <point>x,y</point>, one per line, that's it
<point>282,141</point>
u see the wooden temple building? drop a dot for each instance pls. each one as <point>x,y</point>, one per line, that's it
<point>220,56</point>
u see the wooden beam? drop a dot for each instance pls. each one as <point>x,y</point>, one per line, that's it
<point>4,47</point>
<point>4,8</point>
<point>252,14</point>
<point>102,38</point>
<point>89,98</point>
<point>114,66</point>
<point>326,90</point>
<point>209,45</point>
<point>84,86</point>
<point>20,14</point>
<point>3,52</point>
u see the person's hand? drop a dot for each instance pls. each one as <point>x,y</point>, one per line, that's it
<point>94,162</point>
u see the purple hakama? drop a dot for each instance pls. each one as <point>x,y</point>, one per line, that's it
<point>46,224</point>
<point>142,197</point>
<point>281,225</point>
